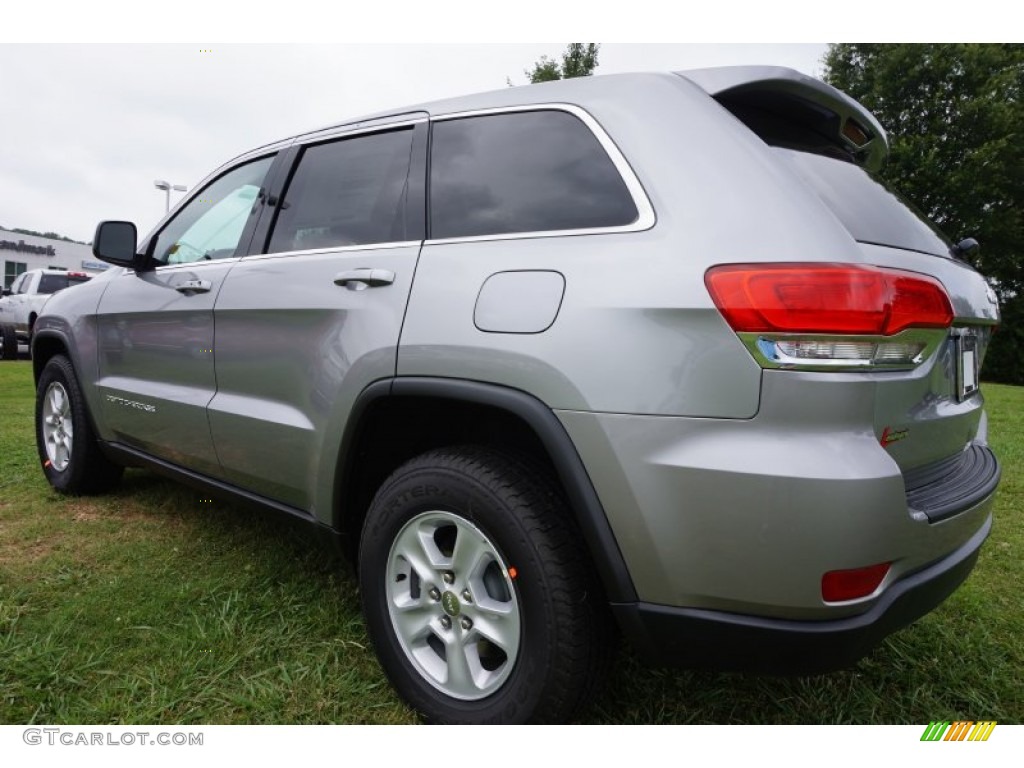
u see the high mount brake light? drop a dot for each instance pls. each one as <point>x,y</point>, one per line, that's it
<point>835,299</point>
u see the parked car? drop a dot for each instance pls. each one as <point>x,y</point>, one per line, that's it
<point>648,354</point>
<point>21,303</point>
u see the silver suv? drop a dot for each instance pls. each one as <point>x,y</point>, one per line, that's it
<point>649,354</point>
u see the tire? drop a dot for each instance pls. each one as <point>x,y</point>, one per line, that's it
<point>31,332</point>
<point>9,344</point>
<point>70,456</point>
<point>472,550</point>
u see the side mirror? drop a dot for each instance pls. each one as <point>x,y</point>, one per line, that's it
<point>116,242</point>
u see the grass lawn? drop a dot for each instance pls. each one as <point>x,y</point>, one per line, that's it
<point>151,606</point>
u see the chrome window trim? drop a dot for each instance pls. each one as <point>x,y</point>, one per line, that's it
<point>333,249</point>
<point>283,254</point>
<point>646,217</point>
<point>280,254</point>
<point>318,135</point>
<point>185,265</point>
<point>355,129</point>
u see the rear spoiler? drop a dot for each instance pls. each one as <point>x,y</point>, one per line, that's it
<point>787,108</point>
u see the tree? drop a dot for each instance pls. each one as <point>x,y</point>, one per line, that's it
<point>578,60</point>
<point>955,118</point>
<point>47,235</point>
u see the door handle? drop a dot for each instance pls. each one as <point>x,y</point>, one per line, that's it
<point>194,286</point>
<point>361,279</point>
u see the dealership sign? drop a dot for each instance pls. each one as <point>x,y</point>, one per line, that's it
<point>23,247</point>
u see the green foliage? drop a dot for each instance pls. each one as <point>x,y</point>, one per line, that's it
<point>578,60</point>
<point>544,71</point>
<point>47,235</point>
<point>955,119</point>
<point>1004,361</point>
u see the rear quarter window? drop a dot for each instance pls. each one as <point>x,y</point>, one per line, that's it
<point>522,172</point>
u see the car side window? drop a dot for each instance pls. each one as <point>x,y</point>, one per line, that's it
<point>522,172</point>
<point>210,226</point>
<point>347,192</point>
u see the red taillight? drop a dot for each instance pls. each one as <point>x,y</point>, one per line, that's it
<point>838,586</point>
<point>827,298</point>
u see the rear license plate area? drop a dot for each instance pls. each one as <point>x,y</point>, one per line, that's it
<point>966,364</point>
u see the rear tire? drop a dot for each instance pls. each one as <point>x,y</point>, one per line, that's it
<point>71,457</point>
<point>9,343</point>
<point>481,602</point>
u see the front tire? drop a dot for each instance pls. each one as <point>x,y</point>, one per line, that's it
<point>71,457</point>
<point>480,600</point>
<point>31,333</point>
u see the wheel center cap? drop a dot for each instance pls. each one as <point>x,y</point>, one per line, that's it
<point>450,603</point>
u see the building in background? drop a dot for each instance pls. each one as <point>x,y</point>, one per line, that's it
<point>20,253</point>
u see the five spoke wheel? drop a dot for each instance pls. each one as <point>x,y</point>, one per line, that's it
<point>69,452</point>
<point>58,426</point>
<point>453,605</point>
<point>478,595</point>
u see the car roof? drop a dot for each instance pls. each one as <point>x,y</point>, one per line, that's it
<point>579,91</point>
<point>587,92</point>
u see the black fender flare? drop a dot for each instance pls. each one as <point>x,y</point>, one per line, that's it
<point>579,489</point>
<point>42,336</point>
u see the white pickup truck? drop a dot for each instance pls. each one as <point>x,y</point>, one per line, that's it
<point>22,302</point>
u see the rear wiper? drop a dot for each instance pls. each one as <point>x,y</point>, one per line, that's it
<point>965,247</point>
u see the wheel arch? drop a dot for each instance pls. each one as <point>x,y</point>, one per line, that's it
<point>396,419</point>
<point>87,469</point>
<point>45,345</point>
<point>51,341</point>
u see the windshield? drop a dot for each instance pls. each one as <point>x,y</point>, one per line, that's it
<point>54,283</point>
<point>869,208</point>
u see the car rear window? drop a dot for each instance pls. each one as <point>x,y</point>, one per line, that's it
<point>54,283</point>
<point>522,172</point>
<point>869,208</point>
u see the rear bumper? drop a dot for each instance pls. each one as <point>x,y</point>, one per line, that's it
<point>703,638</point>
<point>944,489</point>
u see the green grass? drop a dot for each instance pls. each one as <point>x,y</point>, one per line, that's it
<point>151,606</point>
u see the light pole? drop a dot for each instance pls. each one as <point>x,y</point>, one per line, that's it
<point>166,187</point>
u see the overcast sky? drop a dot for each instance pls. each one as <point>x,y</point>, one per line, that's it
<point>86,129</point>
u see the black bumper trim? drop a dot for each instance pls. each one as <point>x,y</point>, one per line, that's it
<point>693,637</point>
<point>947,488</point>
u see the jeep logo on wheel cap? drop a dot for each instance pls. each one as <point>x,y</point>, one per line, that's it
<point>450,603</point>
